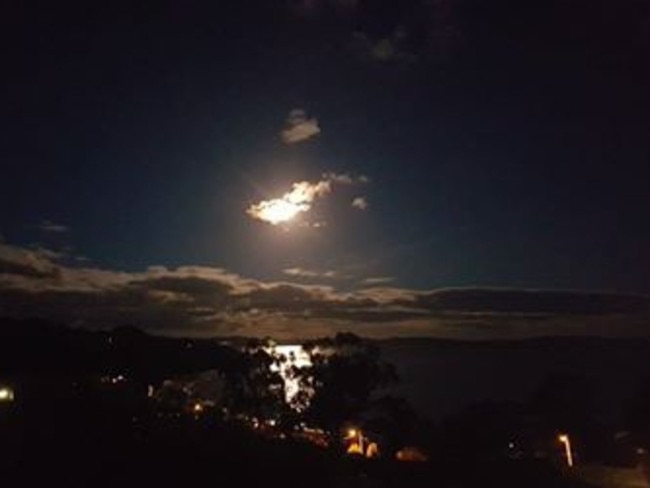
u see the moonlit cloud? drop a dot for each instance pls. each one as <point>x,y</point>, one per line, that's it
<point>360,203</point>
<point>300,199</point>
<point>199,300</point>
<point>299,127</point>
<point>17,260</point>
<point>300,272</point>
<point>309,273</point>
<point>288,206</point>
<point>377,280</point>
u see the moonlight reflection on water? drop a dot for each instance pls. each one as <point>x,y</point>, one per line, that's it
<point>295,356</point>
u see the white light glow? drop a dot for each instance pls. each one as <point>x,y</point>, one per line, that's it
<point>6,394</point>
<point>301,197</point>
<point>285,208</point>
<point>278,211</point>
<point>564,439</point>
<point>296,356</point>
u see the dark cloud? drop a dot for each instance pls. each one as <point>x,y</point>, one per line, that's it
<point>388,31</point>
<point>502,30</point>
<point>511,301</point>
<point>407,31</point>
<point>19,261</point>
<point>195,288</point>
<point>204,300</point>
<point>311,8</point>
<point>371,315</point>
<point>383,50</point>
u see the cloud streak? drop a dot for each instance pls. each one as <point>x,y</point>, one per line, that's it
<point>309,273</point>
<point>377,280</point>
<point>48,226</point>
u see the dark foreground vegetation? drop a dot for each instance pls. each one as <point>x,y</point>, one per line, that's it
<point>122,408</point>
<point>96,448</point>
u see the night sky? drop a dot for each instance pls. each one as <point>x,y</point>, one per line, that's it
<point>467,168</point>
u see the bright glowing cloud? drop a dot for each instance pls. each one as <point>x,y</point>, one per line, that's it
<point>299,200</point>
<point>277,211</point>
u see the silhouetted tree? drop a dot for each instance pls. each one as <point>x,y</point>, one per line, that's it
<point>253,387</point>
<point>395,420</point>
<point>345,375</point>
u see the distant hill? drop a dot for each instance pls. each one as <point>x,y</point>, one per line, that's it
<point>34,347</point>
<point>440,376</point>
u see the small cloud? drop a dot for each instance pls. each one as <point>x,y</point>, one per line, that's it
<point>346,178</point>
<point>303,273</point>
<point>377,280</point>
<point>386,49</point>
<point>308,273</point>
<point>51,254</point>
<point>299,127</point>
<point>340,178</point>
<point>20,261</point>
<point>157,269</point>
<point>360,203</point>
<point>49,226</point>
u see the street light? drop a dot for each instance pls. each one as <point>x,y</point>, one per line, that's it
<point>564,439</point>
<point>6,394</point>
<point>356,436</point>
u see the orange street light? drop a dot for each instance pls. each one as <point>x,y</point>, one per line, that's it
<point>356,436</point>
<point>564,439</point>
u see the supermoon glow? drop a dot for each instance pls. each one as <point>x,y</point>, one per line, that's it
<point>301,197</point>
<point>279,210</point>
<point>287,207</point>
